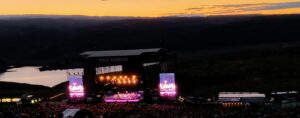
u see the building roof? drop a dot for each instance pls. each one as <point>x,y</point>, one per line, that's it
<point>240,94</point>
<point>118,53</point>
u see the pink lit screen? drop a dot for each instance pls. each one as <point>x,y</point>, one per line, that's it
<point>167,86</point>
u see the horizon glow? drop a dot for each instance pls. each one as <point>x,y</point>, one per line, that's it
<point>147,8</point>
<point>32,75</point>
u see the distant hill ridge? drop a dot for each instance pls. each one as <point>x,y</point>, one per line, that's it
<point>44,40</point>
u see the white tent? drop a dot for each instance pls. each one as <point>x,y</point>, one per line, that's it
<point>240,94</point>
<point>70,112</point>
<point>245,97</point>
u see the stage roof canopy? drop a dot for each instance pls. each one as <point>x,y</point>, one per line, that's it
<point>118,53</point>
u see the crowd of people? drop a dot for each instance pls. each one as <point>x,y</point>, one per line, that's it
<point>140,110</point>
<point>124,96</point>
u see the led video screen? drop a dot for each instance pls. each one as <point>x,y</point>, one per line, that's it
<point>76,89</point>
<point>167,86</point>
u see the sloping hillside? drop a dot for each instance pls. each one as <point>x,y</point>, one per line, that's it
<point>268,69</point>
<point>11,89</point>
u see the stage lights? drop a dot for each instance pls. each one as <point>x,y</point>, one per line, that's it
<point>134,81</point>
<point>101,78</point>
<point>119,79</point>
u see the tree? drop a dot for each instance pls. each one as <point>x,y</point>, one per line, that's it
<point>3,65</point>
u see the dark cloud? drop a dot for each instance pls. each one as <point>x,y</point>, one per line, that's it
<point>198,8</point>
<point>236,8</point>
<point>202,7</point>
<point>241,5</point>
<point>183,14</point>
<point>276,6</point>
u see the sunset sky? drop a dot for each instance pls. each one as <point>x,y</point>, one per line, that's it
<point>148,8</point>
